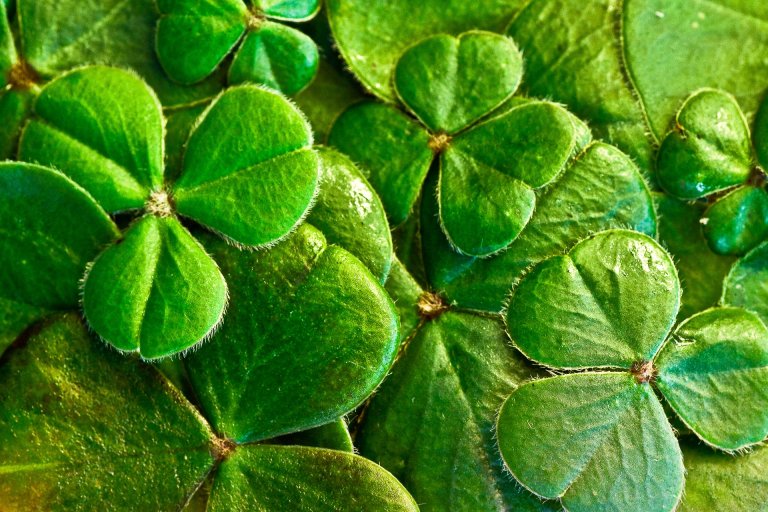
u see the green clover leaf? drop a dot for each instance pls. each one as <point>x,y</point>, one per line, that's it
<point>746,285</point>
<point>709,154</point>
<point>488,170</point>
<point>193,38</point>
<point>43,257</point>
<point>604,434</point>
<point>111,430</point>
<point>103,127</point>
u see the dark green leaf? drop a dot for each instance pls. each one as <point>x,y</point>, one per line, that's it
<point>15,107</point>
<point>738,221</point>
<point>334,436</point>
<point>81,427</point>
<point>432,423</point>
<point>708,150</point>
<point>451,82</point>
<point>601,189</point>
<point>599,441</point>
<point>156,291</point>
<point>268,477</point>
<point>111,144</point>
<point>8,55</point>
<point>350,214</point>
<point>701,271</point>
<point>300,298</point>
<point>51,229</point>
<point>178,125</point>
<point>714,374</point>
<point>277,56</point>
<point>249,170</point>
<point>194,36</point>
<point>610,302</point>
<point>405,292</point>
<point>392,147</point>
<point>746,285</point>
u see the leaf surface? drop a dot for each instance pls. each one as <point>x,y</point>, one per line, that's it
<point>81,426</point>
<point>600,441</point>
<point>714,374</point>
<point>301,298</point>
<point>265,477</point>
<point>738,221</point>
<point>451,82</point>
<point>155,291</point>
<point>249,170</point>
<point>289,10</point>
<point>746,285</point>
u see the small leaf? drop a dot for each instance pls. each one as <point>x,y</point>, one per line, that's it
<point>714,374</point>
<point>51,229</point>
<point>268,477</point>
<point>15,108</point>
<point>289,10</point>
<point>194,36</point>
<point>300,297</point>
<point>487,175</point>
<point>334,436</point>
<point>8,55</point>
<point>277,56</point>
<point>720,482</point>
<point>609,302</point>
<point>350,214</point>
<point>701,271</point>
<point>600,189</point>
<point>392,147</point>
<point>111,144</point>
<point>746,285</point>
<point>738,221</point>
<point>451,82</point>
<point>709,149</point>
<point>81,427</point>
<point>170,293</point>
<point>249,170</point>
<point>598,441</point>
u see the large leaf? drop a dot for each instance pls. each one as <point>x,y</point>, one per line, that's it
<point>110,143</point>
<point>701,271</point>
<point>598,441</point>
<point>720,482</point>
<point>582,66</point>
<point>350,214</point>
<point>264,477</point>
<point>738,221</point>
<point>432,423</point>
<point>194,36</point>
<point>277,56</point>
<point>709,148</point>
<point>609,302</point>
<point>51,229</point>
<point>303,316</point>
<point>746,285</point>
<point>601,189</point>
<point>155,291</point>
<point>81,427</point>
<point>714,374</point>
<point>392,26</point>
<point>392,147</point>
<point>249,171</point>
<point>451,82</point>
<point>488,175</point>
<point>673,47</point>
<point>114,32</point>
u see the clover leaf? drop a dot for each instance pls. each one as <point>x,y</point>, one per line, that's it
<point>156,291</point>
<point>111,430</point>
<point>709,155</point>
<point>43,258</point>
<point>193,38</point>
<point>746,284</point>
<point>488,170</point>
<point>610,303</point>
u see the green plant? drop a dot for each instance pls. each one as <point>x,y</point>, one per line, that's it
<point>193,38</point>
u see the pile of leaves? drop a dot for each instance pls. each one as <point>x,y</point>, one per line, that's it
<point>383,255</point>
